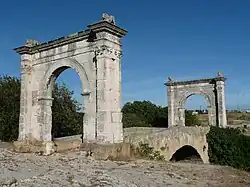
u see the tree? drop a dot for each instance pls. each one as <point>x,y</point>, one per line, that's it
<point>161,118</point>
<point>9,107</point>
<point>147,114</point>
<point>132,120</point>
<point>144,113</point>
<point>145,110</point>
<point>66,120</point>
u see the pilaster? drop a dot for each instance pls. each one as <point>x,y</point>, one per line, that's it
<point>107,49</point>
<point>181,115</point>
<point>25,98</point>
<point>89,118</point>
<point>211,115</point>
<point>171,106</point>
<point>109,124</point>
<point>221,103</point>
<point>45,125</point>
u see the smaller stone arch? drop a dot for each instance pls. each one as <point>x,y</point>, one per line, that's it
<point>212,89</point>
<point>191,137</point>
<point>169,140</point>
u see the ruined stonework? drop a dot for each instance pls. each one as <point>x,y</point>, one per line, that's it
<point>169,140</point>
<point>95,54</point>
<point>213,91</point>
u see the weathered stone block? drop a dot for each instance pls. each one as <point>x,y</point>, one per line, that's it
<point>116,117</point>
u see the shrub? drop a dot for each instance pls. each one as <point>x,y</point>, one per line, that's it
<point>191,120</point>
<point>145,151</point>
<point>227,146</point>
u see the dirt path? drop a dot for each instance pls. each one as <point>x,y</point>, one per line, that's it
<point>74,169</point>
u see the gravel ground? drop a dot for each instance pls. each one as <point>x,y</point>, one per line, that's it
<point>75,169</point>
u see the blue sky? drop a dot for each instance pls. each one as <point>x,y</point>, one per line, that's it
<point>182,39</point>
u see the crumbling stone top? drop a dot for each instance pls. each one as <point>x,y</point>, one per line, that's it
<point>107,24</point>
<point>198,81</point>
<point>166,132</point>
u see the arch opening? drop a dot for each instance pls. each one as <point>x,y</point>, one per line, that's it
<point>186,154</point>
<point>58,67</point>
<point>196,110</point>
<point>65,87</point>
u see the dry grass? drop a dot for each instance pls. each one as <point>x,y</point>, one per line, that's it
<point>233,118</point>
<point>236,118</point>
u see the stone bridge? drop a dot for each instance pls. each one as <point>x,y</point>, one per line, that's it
<point>169,140</point>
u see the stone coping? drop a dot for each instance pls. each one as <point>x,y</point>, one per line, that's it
<point>109,27</point>
<point>198,81</point>
<point>78,36</point>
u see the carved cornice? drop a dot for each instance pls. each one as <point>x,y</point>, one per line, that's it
<point>108,52</point>
<point>108,36</point>
<point>101,26</point>
<point>108,27</point>
<point>199,81</point>
<point>23,50</point>
<point>79,36</point>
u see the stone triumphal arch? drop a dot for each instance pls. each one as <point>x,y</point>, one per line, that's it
<point>95,54</point>
<point>213,91</point>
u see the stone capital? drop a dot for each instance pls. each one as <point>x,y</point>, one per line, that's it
<point>86,93</point>
<point>46,100</point>
<point>106,51</point>
<point>26,69</point>
<point>220,83</point>
<point>25,58</point>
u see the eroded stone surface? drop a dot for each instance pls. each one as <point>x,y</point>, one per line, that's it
<point>75,169</point>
